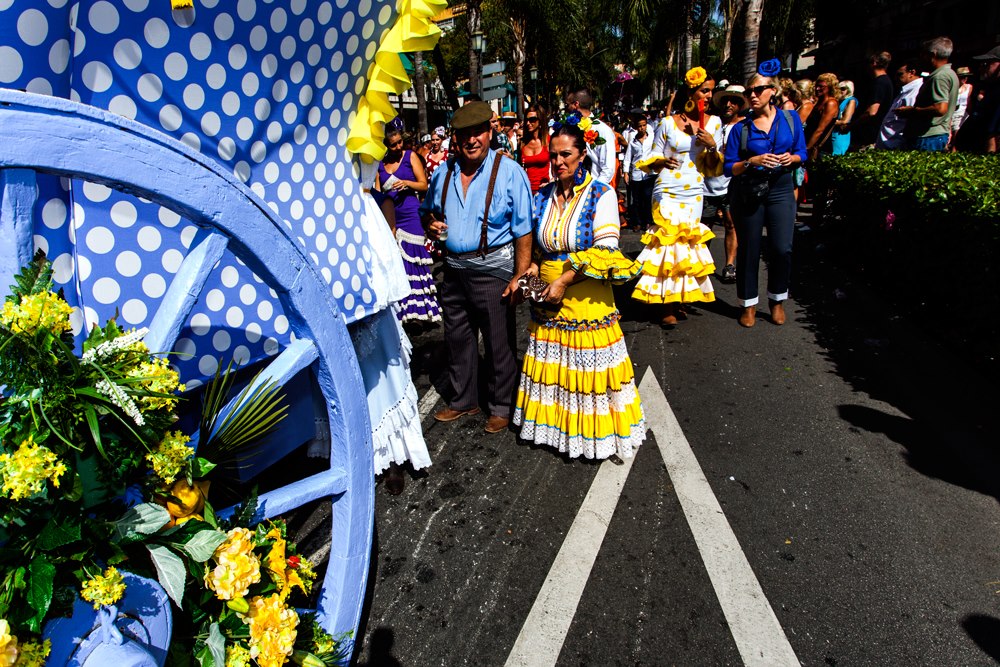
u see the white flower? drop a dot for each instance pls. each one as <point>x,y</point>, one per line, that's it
<point>121,399</point>
<point>110,347</point>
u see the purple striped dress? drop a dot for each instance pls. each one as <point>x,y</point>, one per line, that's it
<point>422,303</point>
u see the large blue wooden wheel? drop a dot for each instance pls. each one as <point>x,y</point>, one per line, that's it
<point>55,136</point>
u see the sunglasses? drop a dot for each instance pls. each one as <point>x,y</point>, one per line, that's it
<point>758,90</point>
<point>532,118</point>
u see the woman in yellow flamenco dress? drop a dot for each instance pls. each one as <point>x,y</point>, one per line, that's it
<point>676,263</point>
<point>577,391</point>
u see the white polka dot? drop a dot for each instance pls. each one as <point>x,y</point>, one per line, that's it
<point>244,128</point>
<point>242,171</point>
<point>134,311</point>
<point>258,38</point>
<point>251,84</point>
<point>149,238</point>
<point>258,189</point>
<point>128,54</point>
<point>200,46</point>
<point>208,365</point>
<point>156,32</point>
<point>285,191</point>
<point>97,76</point>
<point>230,276</point>
<point>241,354</point>
<point>298,6</point>
<point>269,65</point>
<point>200,324</point>
<point>153,284</point>
<point>298,172</point>
<point>215,300</point>
<point>231,103</point>
<point>296,210</point>
<point>330,39</point>
<point>246,9</point>
<point>297,72</point>
<point>194,96</point>
<point>271,347</point>
<point>324,13</point>
<point>106,290</point>
<point>224,26</point>
<point>175,66</point>
<point>384,14</point>
<point>265,310</point>
<point>314,54</point>
<point>191,140</point>
<point>253,332</point>
<point>187,235</point>
<point>237,56</point>
<point>221,340</point>
<point>262,109</point>
<point>62,268</point>
<point>33,27</point>
<point>279,90</point>
<point>58,58</point>
<point>363,7</point>
<point>306,30</point>
<point>348,301</point>
<point>210,124</point>
<point>171,260</point>
<point>168,218</point>
<point>287,48</point>
<point>96,192</point>
<point>184,18</point>
<point>368,30</point>
<point>170,117</point>
<point>234,316</point>
<point>274,131</point>
<point>83,267</point>
<point>258,151</point>
<point>289,113</point>
<point>128,264</point>
<point>137,5</point>
<point>279,20</point>
<point>227,148</point>
<point>150,87</point>
<point>347,22</point>
<point>103,17</point>
<point>280,324</point>
<point>124,214</point>
<point>54,213</point>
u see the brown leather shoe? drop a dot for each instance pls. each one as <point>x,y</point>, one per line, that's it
<point>496,423</point>
<point>670,315</point>
<point>395,480</point>
<point>777,312</point>
<point>748,317</point>
<point>450,415</point>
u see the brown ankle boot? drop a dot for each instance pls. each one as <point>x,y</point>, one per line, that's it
<point>748,317</point>
<point>777,312</point>
<point>670,315</point>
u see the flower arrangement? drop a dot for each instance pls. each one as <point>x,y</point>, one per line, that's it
<point>695,76</point>
<point>96,478</point>
<point>585,125</point>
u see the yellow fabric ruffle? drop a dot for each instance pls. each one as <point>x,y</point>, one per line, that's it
<point>602,263</point>
<point>684,289</point>
<point>412,31</point>
<point>674,261</point>
<point>650,164</point>
<point>705,167</point>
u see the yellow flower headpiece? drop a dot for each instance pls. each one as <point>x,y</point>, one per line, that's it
<point>695,77</point>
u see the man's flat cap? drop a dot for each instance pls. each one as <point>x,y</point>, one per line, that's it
<point>470,115</point>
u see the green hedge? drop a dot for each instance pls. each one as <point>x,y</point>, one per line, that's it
<point>925,185</point>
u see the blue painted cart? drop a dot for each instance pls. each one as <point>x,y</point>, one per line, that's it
<point>45,135</point>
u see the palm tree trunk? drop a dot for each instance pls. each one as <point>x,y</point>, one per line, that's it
<point>420,88</point>
<point>751,31</point>
<point>475,67</point>
<point>706,23</point>
<point>687,36</point>
<point>519,28</point>
<point>446,81</point>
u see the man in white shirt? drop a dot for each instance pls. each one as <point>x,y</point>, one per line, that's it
<point>640,184</point>
<point>602,158</point>
<point>730,103</point>
<point>891,132</point>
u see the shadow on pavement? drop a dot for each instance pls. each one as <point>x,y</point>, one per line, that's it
<point>901,358</point>
<point>380,646</point>
<point>985,631</point>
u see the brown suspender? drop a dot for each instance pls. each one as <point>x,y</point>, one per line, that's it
<point>483,247</point>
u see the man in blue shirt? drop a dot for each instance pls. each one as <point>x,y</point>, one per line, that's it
<point>487,253</point>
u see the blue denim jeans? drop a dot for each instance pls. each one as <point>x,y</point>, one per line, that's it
<point>936,143</point>
<point>777,213</point>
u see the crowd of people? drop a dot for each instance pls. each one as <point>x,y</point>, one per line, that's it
<point>536,210</point>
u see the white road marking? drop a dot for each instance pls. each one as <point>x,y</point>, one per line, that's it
<point>544,631</point>
<point>759,636</point>
<point>427,403</point>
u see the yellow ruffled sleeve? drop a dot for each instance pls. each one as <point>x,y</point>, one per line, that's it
<point>604,263</point>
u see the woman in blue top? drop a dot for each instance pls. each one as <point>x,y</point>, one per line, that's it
<point>845,113</point>
<point>761,154</point>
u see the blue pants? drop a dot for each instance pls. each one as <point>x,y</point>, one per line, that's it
<point>777,213</point>
<point>936,143</point>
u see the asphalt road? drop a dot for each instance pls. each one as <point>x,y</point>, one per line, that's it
<point>852,453</point>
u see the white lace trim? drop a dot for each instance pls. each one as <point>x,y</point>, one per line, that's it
<point>577,446</point>
<point>579,402</point>
<point>412,239</point>
<point>399,426</point>
<point>577,359</point>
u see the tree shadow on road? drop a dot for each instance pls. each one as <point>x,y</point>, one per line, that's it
<point>985,631</point>
<point>900,357</point>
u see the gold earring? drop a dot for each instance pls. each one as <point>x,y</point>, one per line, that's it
<point>689,106</point>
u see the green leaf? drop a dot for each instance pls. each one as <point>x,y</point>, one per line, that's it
<point>202,544</point>
<point>170,571</point>
<point>216,644</point>
<point>41,575</point>
<point>200,467</point>
<point>95,428</point>
<point>144,519</point>
<point>56,534</point>
<point>209,513</point>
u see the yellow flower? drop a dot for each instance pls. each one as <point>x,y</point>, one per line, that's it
<point>237,655</point>
<point>25,471</point>
<point>585,124</point>
<point>272,630</point>
<point>104,589</point>
<point>45,310</point>
<point>170,456</point>
<point>33,654</point>
<point>8,645</point>
<point>695,77</point>
<point>275,559</point>
<point>237,567</point>
<point>156,375</point>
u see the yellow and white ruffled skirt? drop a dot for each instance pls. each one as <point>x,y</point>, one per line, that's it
<point>577,391</point>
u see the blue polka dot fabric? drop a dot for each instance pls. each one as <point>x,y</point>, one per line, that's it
<point>267,88</point>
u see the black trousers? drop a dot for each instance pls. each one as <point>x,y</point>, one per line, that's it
<point>640,208</point>
<point>470,304</point>
<point>777,213</point>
